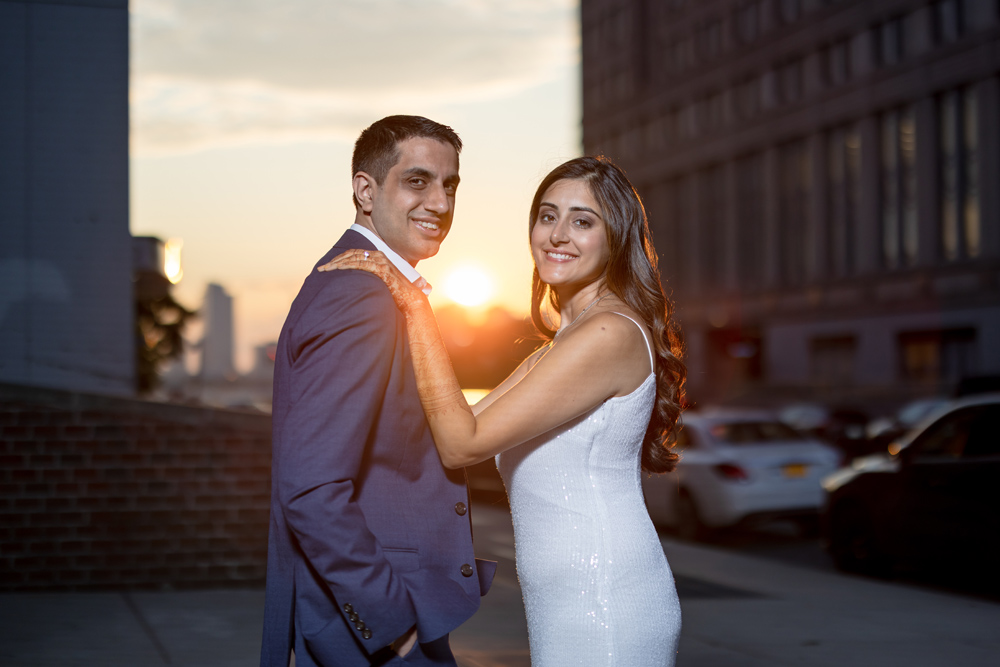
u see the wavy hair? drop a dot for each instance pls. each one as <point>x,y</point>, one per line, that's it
<point>632,276</point>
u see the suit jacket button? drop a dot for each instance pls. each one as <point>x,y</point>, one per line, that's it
<point>367,634</point>
<point>348,608</point>
<point>354,617</point>
<point>359,626</point>
<point>460,509</point>
<point>467,570</point>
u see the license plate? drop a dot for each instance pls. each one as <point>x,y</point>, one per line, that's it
<point>795,470</point>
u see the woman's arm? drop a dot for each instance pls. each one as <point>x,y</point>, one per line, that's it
<point>512,379</point>
<point>590,364</point>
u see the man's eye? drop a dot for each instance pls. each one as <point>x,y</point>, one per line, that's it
<point>417,182</point>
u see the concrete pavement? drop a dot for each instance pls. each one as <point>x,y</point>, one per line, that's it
<point>739,611</point>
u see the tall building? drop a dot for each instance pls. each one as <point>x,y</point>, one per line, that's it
<point>821,178</point>
<point>65,250</point>
<point>217,344</point>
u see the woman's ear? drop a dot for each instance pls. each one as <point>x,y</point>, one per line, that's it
<point>364,190</point>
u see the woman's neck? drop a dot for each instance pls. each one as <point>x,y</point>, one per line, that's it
<point>573,303</point>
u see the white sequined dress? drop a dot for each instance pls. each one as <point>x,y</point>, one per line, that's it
<point>597,587</point>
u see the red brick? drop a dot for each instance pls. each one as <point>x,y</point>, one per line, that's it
<point>24,475</point>
<point>13,519</point>
<point>72,576</point>
<point>56,475</point>
<point>46,432</point>
<point>77,432</point>
<point>14,548</point>
<point>27,504</point>
<point>86,474</point>
<point>98,488</point>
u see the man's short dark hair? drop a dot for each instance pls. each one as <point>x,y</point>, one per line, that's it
<point>377,149</point>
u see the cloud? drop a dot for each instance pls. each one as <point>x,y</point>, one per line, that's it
<point>215,72</point>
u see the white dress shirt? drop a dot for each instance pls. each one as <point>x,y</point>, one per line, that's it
<point>408,271</point>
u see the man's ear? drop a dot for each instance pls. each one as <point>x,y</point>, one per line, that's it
<point>364,190</point>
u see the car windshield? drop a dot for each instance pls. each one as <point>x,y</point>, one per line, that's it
<point>753,432</point>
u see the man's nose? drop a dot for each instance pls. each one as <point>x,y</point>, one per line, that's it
<point>437,200</point>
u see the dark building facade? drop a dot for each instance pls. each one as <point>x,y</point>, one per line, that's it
<point>66,315</point>
<point>821,178</point>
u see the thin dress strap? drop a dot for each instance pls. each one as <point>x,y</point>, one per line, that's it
<point>649,348</point>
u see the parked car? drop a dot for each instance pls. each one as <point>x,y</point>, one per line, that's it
<point>932,498</point>
<point>737,467</point>
<point>843,426</point>
<point>883,431</point>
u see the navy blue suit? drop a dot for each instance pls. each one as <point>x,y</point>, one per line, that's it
<point>370,534</point>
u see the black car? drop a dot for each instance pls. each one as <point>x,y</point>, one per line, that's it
<point>932,499</point>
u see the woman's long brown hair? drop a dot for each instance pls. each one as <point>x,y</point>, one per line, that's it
<point>632,276</point>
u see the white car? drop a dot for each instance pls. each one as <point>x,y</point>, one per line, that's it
<point>739,466</point>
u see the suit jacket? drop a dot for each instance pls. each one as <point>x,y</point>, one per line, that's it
<point>369,533</point>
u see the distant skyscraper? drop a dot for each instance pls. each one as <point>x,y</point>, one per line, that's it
<point>65,255</point>
<point>217,345</point>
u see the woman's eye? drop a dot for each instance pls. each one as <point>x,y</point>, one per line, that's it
<point>582,223</point>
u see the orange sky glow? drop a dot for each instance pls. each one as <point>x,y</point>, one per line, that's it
<point>243,124</point>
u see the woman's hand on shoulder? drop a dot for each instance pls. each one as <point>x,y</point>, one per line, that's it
<point>404,293</point>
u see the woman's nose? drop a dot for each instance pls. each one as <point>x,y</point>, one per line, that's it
<point>558,233</point>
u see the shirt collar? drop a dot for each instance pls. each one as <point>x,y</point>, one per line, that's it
<point>404,267</point>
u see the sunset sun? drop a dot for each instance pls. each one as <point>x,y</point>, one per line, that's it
<point>469,286</point>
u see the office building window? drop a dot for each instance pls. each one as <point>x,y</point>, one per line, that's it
<point>748,21</point>
<point>943,355</point>
<point>789,10</point>
<point>790,80</point>
<point>890,41</point>
<point>676,263</point>
<point>958,178</point>
<point>709,39</point>
<point>947,21</point>
<point>750,221</point>
<point>844,193</point>
<point>838,63</point>
<point>712,197</point>
<point>792,212</point>
<point>748,97</point>
<point>832,360</point>
<point>899,188</point>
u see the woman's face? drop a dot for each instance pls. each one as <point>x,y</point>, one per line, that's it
<point>569,241</point>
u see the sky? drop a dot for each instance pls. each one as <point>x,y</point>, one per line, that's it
<point>244,117</point>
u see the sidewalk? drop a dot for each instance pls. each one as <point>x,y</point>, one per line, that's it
<point>777,614</point>
<point>739,611</point>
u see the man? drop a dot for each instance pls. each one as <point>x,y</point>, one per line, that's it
<point>370,547</point>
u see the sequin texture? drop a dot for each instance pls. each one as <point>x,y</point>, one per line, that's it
<point>597,587</point>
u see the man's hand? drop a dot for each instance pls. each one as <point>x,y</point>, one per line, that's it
<point>405,644</point>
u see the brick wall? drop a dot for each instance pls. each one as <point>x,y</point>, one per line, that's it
<point>99,491</point>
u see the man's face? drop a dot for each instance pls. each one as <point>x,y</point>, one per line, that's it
<point>412,210</point>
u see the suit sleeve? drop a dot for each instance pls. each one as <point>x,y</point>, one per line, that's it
<point>341,356</point>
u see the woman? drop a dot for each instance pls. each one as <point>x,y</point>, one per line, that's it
<point>571,425</point>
